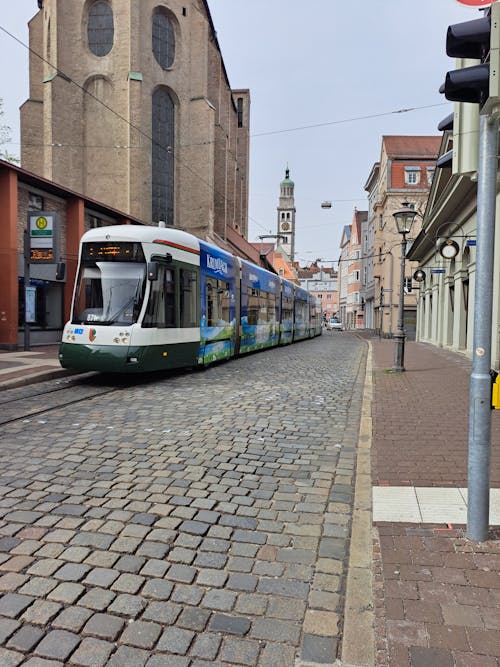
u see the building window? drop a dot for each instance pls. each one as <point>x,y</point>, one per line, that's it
<point>163,40</point>
<point>380,221</point>
<point>35,202</point>
<point>100,30</point>
<point>430,175</point>
<point>412,175</point>
<point>239,107</point>
<point>162,178</point>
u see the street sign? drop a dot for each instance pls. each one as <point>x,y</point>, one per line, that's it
<point>476,3</point>
<point>438,270</point>
<point>43,237</point>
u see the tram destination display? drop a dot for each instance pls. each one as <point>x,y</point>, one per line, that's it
<point>113,251</point>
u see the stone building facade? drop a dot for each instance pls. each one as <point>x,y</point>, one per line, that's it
<point>404,173</point>
<point>130,105</point>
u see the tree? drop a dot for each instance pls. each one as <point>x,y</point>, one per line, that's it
<point>5,137</point>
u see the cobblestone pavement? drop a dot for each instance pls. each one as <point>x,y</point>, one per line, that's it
<point>199,519</point>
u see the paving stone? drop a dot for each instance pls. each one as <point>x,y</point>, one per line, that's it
<point>131,564</point>
<point>186,594</point>
<point>57,645</point>
<point>206,645</point>
<point>285,587</point>
<point>175,640</point>
<point>242,582</point>
<point>235,625</point>
<point>41,612</point>
<point>151,549</point>
<point>128,656</point>
<point>92,653</point>
<point>158,589</point>
<point>66,593</point>
<point>7,627</point>
<point>276,630</point>
<point>141,634</point>
<point>193,618</point>
<point>182,573</point>
<point>101,576</point>
<point>162,612</point>
<point>104,626</point>
<point>318,649</point>
<point>127,605</point>
<point>12,604</point>
<point>72,572</point>
<point>9,658</point>
<point>240,651</point>
<point>72,619</point>
<point>219,599</point>
<point>168,660</point>
<point>97,599</point>
<point>212,578</point>
<point>278,655</point>
<point>128,583</point>
<point>26,638</point>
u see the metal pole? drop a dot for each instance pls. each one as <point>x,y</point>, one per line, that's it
<point>27,277</point>
<point>400,335</point>
<point>480,380</point>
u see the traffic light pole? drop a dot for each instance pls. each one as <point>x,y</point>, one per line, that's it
<point>480,380</point>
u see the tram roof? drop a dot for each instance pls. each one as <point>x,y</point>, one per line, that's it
<point>144,234</point>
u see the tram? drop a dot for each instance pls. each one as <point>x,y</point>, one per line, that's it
<point>156,298</point>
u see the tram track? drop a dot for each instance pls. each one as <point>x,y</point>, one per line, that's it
<point>16,404</point>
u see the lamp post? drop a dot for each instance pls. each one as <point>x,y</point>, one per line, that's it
<point>404,218</point>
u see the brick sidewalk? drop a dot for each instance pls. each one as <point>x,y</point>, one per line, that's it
<point>437,594</point>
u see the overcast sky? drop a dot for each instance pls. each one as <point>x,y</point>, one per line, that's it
<point>312,68</point>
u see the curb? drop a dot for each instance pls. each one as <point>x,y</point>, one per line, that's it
<point>358,644</point>
<point>35,378</point>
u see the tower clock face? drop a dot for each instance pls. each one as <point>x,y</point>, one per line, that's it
<point>285,226</point>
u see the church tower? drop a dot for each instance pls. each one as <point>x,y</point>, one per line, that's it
<point>286,216</point>
<point>130,105</point>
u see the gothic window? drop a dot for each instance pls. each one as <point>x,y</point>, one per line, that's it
<point>100,30</point>
<point>163,40</point>
<point>162,177</point>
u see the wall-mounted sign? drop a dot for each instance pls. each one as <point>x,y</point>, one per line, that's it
<point>43,235</point>
<point>449,249</point>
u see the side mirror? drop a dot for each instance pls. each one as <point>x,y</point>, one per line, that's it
<point>152,270</point>
<point>60,271</point>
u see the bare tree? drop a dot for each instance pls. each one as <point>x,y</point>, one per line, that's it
<point>5,137</point>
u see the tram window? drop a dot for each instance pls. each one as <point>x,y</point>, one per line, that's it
<point>189,293</point>
<point>253,306</point>
<point>287,308</point>
<point>161,306</point>
<point>271,308</point>
<point>217,302</point>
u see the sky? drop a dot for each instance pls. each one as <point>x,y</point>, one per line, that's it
<point>327,79</point>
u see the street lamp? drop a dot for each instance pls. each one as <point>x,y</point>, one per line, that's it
<point>404,218</point>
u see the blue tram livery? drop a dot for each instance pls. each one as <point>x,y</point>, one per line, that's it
<point>151,298</point>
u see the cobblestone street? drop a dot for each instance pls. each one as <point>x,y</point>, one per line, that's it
<point>197,519</point>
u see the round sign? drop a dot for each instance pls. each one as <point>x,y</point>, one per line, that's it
<point>41,222</point>
<point>449,249</point>
<point>476,3</point>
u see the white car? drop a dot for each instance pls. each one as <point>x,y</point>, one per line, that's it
<point>334,325</point>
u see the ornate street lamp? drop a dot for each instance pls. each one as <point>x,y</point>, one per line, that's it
<point>404,219</point>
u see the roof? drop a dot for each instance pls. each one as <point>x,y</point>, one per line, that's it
<point>412,146</point>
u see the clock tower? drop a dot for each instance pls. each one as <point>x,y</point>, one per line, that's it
<point>286,216</point>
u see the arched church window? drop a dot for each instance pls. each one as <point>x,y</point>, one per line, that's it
<point>101,29</point>
<point>163,40</point>
<point>162,178</point>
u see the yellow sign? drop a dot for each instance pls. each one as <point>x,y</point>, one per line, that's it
<point>41,223</point>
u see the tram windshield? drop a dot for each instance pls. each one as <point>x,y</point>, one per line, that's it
<point>109,293</point>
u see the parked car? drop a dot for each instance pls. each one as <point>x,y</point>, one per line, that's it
<point>334,325</point>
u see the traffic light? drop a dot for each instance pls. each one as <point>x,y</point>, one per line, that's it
<point>475,44</point>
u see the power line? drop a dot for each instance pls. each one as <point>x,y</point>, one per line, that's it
<point>348,120</point>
